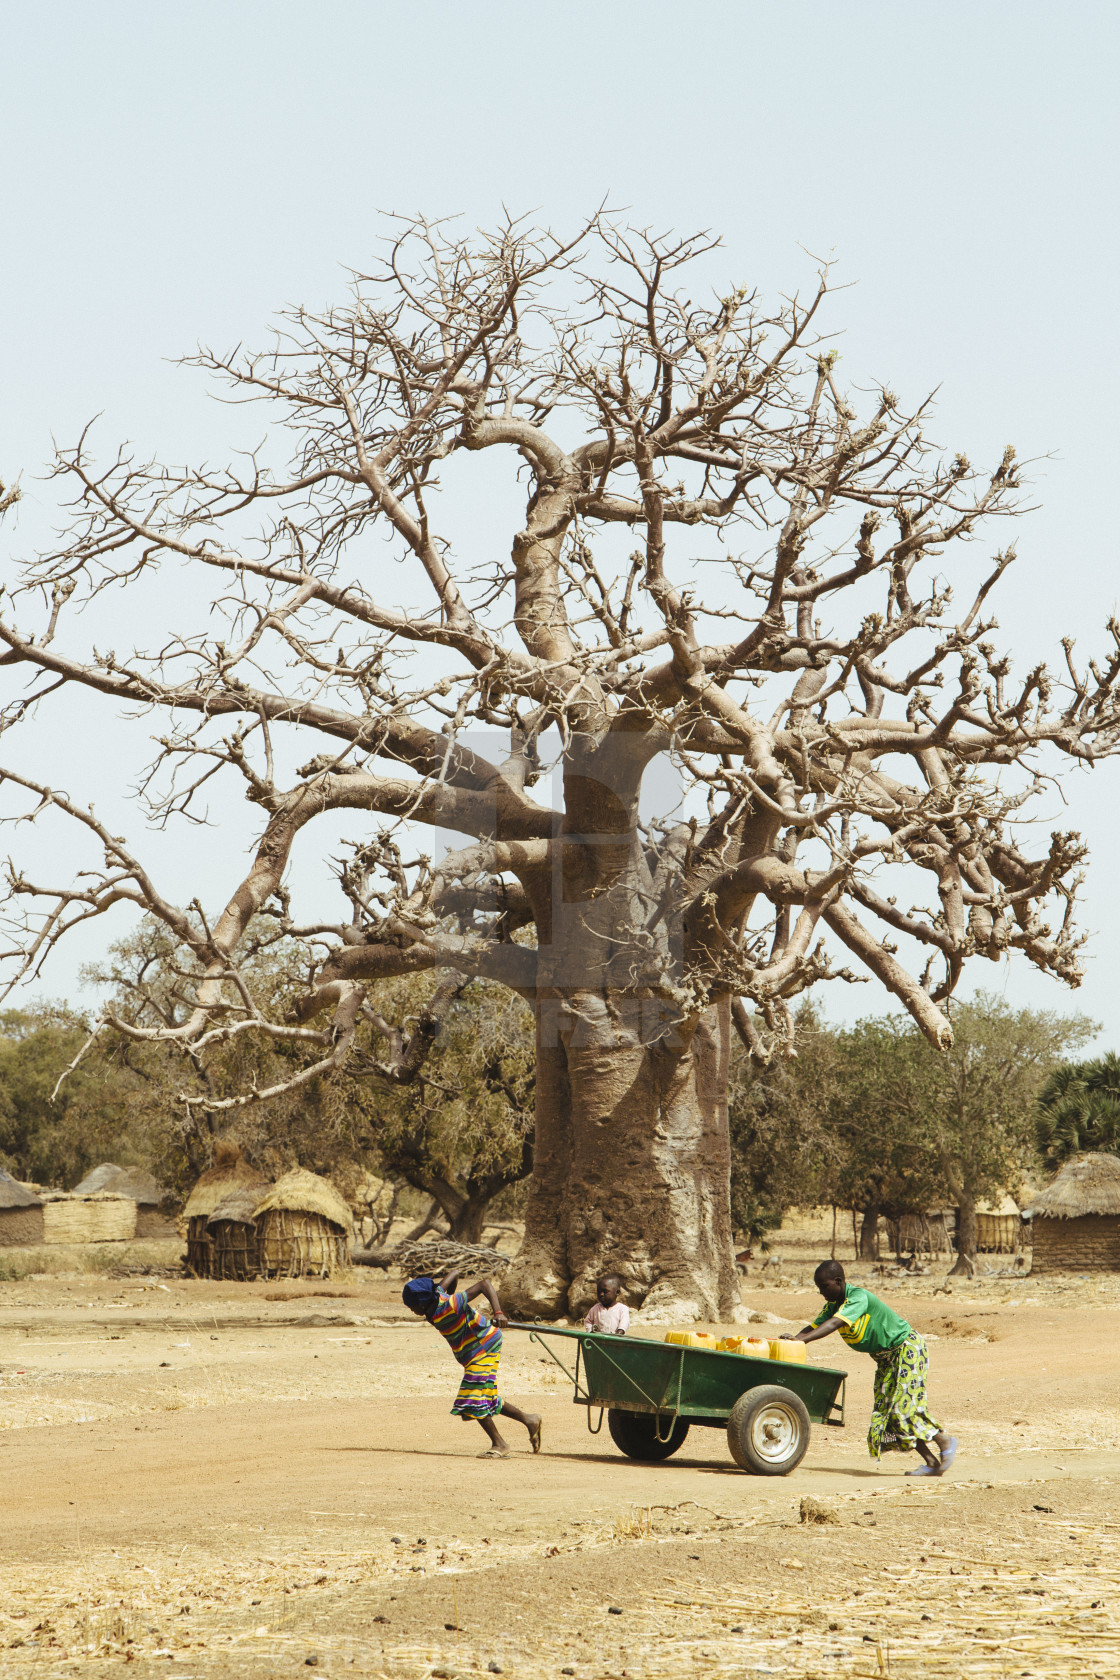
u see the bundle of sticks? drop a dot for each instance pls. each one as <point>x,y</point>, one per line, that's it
<point>432,1259</point>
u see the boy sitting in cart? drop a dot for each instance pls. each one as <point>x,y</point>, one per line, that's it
<point>476,1343</point>
<point>609,1315</point>
<point>899,1419</point>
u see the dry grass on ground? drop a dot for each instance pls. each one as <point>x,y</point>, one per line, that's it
<point>214,1480</point>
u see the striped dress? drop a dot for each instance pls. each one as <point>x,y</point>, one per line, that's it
<point>477,1345</point>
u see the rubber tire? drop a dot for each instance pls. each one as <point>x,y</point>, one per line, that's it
<point>634,1433</point>
<point>743,1420</point>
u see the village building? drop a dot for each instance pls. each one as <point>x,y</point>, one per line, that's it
<point>304,1227</point>
<point>235,1246</point>
<point>137,1186</point>
<point>230,1172</point>
<point>21,1214</point>
<point>998,1226</point>
<point>1075,1221</point>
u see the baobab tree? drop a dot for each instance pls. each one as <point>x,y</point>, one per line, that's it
<point>721,560</point>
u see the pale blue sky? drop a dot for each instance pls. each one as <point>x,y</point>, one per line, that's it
<point>175,172</point>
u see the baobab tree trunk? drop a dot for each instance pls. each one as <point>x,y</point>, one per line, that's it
<point>631,1153</point>
<point>632,1166</point>
<point>869,1233</point>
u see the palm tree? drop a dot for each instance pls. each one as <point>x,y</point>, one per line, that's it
<point>1079,1110</point>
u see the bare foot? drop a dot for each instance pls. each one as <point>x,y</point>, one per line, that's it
<point>533,1423</point>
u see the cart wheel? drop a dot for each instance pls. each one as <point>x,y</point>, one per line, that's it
<point>635,1434</point>
<point>768,1431</point>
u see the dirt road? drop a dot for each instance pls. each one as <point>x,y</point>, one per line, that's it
<point>203,1480</point>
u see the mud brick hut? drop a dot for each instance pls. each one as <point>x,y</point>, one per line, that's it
<point>231,1171</point>
<point>21,1214</point>
<point>304,1227</point>
<point>1075,1221</point>
<point>235,1244</point>
<point>139,1187</point>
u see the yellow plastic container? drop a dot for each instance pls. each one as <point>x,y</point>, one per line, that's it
<point>690,1338</point>
<point>793,1353</point>
<point>749,1346</point>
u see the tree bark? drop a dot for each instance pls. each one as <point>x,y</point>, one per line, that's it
<point>966,1232</point>
<point>964,1196</point>
<point>869,1233</point>
<point>470,1221</point>
<point>430,1222</point>
<point>632,1167</point>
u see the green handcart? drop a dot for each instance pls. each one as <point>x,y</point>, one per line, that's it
<point>653,1392</point>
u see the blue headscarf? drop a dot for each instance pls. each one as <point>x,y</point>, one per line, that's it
<point>420,1295</point>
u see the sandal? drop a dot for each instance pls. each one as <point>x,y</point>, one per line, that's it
<point>947,1456</point>
<point>494,1452</point>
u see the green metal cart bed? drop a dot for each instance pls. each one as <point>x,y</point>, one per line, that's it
<point>653,1393</point>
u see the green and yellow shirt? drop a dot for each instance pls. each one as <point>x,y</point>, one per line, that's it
<point>866,1322</point>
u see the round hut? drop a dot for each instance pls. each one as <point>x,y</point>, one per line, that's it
<point>231,1171</point>
<point>21,1214</point>
<point>139,1186</point>
<point>1075,1221</point>
<point>235,1247</point>
<point>304,1228</point>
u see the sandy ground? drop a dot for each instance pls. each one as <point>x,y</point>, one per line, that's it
<point>214,1480</point>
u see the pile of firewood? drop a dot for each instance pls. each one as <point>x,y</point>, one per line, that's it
<point>432,1259</point>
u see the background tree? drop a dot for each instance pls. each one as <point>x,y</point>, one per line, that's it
<point>784,1151</point>
<point>835,724</point>
<point>961,1121</point>
<point>151,988</point>
<point>1079,1109</point>
<point>880,1118</point>
<point>439,1095</point>
<point>462,1129</point>
<point>871,1118</point>
<point>836,1123</point>
<point>55,1125</point>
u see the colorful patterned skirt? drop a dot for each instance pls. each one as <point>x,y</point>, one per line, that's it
<point>478,1395</point>
<point>899,1419</point>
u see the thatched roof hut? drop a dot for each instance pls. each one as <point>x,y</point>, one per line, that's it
<point>1075,1221</point>
<point>304,1227</point>
<point>21,1214</point>
<point>122,1181</point>
<point>235,1251</point>
<point>231,1171</point>
<point>138,1186</point>
<point>31,1214</point>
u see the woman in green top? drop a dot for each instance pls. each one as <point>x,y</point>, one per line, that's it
<point>899,1419</point>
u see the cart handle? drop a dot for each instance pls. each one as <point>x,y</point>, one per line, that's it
<point>573,1379</point>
